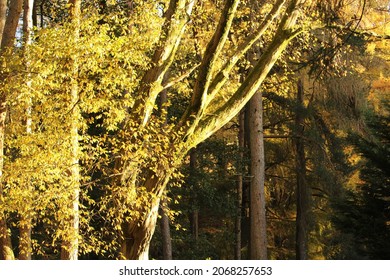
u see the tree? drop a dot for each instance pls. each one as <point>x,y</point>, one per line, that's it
<point>363,213</point>
<point>25,223</point>
<point>70,244</point>
<point>201,119</point>
<point>7,42</point>
<point>258,228</point>
<point>303,196</point>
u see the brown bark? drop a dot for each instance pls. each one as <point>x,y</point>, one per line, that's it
<point>11,24</point>
<point>166,235</point>
<point>240,181</point>
<point>258,225</point>
<point>303,198</point>
<point>7,41</point>
<point>164,222</point>
<point>3,14</point>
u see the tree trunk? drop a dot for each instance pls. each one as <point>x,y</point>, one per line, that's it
<point>302,189</point>
<point>194,215</point>
<point>138,231</point>
<point>7,41</point>
<point>166,235</point>
<point>164,223</point>
<point>3,15</point>
<point>258,228</point>
<point>69,249</point>
<point>241,145</point>
<point>25,223</point>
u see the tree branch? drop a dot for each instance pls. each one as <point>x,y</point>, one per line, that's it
<point>176,80</point>
<point>207,66</point>
<point>177,17</point>
<point>285,33</point>
<point>223,75</point>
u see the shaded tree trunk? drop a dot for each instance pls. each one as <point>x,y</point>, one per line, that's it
<point>166,235</point>
<point>301,189</point>
<point>240,181</point>
<point>258,227</point>
<point>194,216</point>
<point>164,222</point>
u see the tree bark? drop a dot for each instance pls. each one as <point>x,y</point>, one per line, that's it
<point>166,235</point>
<point>240,181</point>
<point>25,223</point>
<point>258,226</point>
<point>137,232</point>
<point>301,189</point>
<point>164,222</point>
<point>70,245</point>
<point>7,41</point>
<point>3,15</point>
<point>194,215</point>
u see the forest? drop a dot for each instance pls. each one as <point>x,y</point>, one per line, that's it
<point>194,129</point>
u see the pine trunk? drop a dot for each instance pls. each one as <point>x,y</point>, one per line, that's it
<point>258,228</point>
<point>238,224</point>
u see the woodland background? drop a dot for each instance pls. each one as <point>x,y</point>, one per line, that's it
<point>194,129</point>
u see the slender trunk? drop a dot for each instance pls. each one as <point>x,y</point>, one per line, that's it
<point>3,14</point>
<point>71,243</point>
<point>302,189</point>
<point>25,223</point>
<point>166,235</point>
<point>258,229</point>
<point>34,14</point>
<point>241,140</point>
<point>7,41</point>
<point>194,218</point>
<point>164,223</point>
